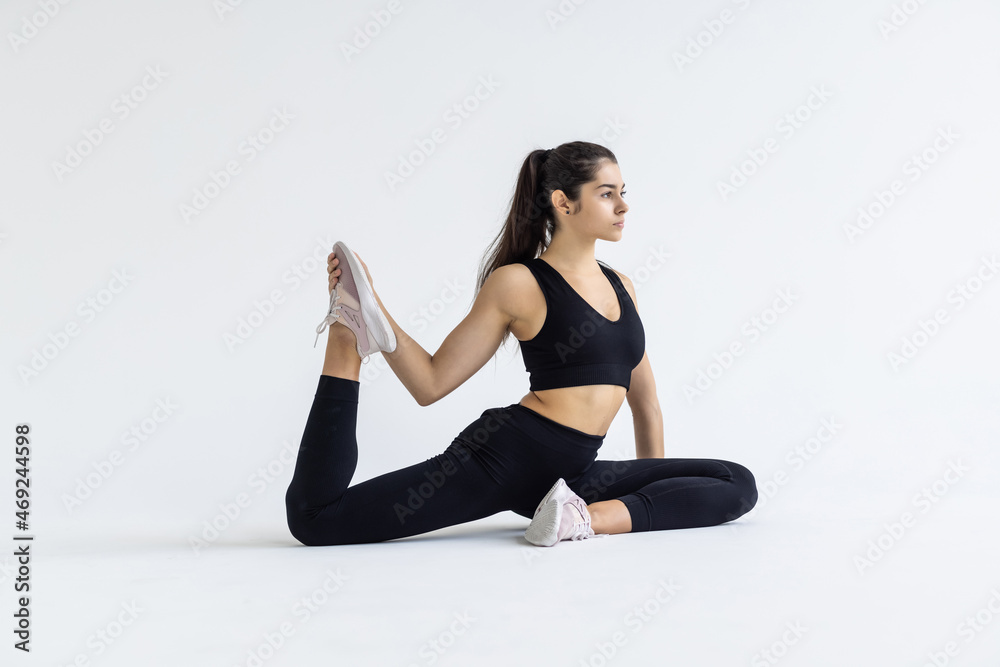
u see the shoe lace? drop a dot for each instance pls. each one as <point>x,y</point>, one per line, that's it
<point>331,316</point>
<point>582,529</point>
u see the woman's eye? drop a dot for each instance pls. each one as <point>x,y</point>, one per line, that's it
<point>608,193</point>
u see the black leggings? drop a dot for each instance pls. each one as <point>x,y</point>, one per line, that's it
<point>507,459</point>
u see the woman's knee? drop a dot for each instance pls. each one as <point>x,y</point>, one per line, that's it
<point>745,486</point>
<point>301,520</point>
<point>297,522</point>
<point>312,534</point>
<point>303,536</point>
<point>323,527</point>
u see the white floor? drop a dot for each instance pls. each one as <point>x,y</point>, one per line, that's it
<point>782,580</point>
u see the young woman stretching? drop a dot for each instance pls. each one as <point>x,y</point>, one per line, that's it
<point>584,346</point>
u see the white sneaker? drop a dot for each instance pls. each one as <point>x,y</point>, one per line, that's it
<point>353,304</point>
<point>561,515</point>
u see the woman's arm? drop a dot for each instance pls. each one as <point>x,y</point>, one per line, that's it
<point>642,399</point>
<point>648,433</point>
<point>464,351</point>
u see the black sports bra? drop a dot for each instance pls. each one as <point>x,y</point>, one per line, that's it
<point>577,345</point>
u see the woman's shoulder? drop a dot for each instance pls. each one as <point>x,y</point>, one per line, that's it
<point>514,279</point>
<point>626,281</point>
<point>516,291</point>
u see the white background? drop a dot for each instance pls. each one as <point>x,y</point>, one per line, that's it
<point>895,80</point>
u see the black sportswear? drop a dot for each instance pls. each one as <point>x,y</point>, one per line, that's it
<point>577,345</point>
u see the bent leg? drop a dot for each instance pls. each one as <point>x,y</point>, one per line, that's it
<point>663,494</point>
<point>322,509</point>
<point>328,453</point>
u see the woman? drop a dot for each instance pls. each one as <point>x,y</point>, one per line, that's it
<point>583,344</point>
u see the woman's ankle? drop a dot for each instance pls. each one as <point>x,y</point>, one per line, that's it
<point>610,517</point>
<point>342,359</point>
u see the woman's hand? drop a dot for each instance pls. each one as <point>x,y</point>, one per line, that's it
<point>332,264</point>
<point>331,268</point>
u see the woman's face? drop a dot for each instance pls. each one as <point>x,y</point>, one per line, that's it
<point>601,205</point>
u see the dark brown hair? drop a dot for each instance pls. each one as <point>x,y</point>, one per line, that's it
<point>531,221</point>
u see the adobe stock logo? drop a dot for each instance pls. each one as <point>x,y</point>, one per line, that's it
<point>924,500</point>
<point>788,125</point>
<point>713,30</point>
<point>122,107</point>
<point>779,648</point>
<point>381,18</point>
<point>752,329</point>
<point>88,309</point>
<point>455,116</point>
<point>884,198</point>
<point>900,16</point>
<point>968,628</point>
<point>219,180</point>
<point>636,619</point>
<point>962,293</point>
<point>37,21</point>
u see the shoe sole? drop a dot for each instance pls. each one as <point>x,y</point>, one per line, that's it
<point>555,487</point>
<point>543,531</point>
<point>380,336</point>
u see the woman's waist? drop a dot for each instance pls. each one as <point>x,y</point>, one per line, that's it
<point>587,410</point>
<point>517,427</point>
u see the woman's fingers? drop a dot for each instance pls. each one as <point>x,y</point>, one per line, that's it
<point>331,267</point>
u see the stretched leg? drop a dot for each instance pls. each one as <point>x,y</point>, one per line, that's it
<point>322,509</point>
<point>663,494</point>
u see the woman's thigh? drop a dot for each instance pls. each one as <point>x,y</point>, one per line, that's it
<point>665,494</point>
<point>606,480</point>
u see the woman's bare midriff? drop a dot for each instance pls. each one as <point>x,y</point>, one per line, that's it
<point>589,408</point>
